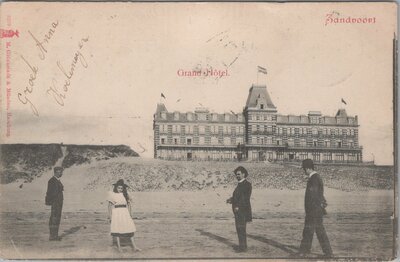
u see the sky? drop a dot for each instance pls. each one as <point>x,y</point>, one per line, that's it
<point>94,72</point>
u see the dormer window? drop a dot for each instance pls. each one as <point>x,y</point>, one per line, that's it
<point>262,106</point>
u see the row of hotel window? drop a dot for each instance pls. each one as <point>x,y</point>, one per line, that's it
<point>190,129</point>
<point>304,130</point>
<point>303,119</point>
<point>204,116</point>
<point>314,156</point>
<point>255,141</point>
<point>213,155</point>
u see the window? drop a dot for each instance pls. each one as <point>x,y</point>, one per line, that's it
<point>303,143</point>
<point>226,131</point>
<point>262,106</point>
<point>339,144</point>
<point>201,129</point>
<point>340,157</point>
<point>327,143</point>
<point>352,157</point>
<point>303,156</point>
<point>162,141</point>
<point>257,117</point>
<point>279,155</point>
<point>189,141</point>
<point>227,118</point>
<point>315,143</point>
<point>175,141</point>
<point>314,120</point>
<point>327,156</point>
<point>227,141</point>
<point>316,156</point>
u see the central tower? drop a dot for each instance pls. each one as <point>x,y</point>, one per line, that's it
<point>260,118</point>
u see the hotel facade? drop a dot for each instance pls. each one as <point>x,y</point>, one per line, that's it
<point>259,133</point>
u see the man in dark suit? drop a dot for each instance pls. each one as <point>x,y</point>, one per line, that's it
<point>315,204</point>
<point>241,207</point>
<point>54,198</point>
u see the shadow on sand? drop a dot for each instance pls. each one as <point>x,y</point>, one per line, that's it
<point>216,237</point>
<point>71,231</point>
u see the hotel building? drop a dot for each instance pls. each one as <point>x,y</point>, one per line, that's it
<point>259,133</point>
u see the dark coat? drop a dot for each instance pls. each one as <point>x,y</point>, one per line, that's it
<point>241,199</point>
<point>54,192</point>
<point>314,201</point>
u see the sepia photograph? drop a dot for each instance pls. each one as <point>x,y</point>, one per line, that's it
<point>201,130</point>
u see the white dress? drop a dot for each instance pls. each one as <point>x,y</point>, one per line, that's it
<point>121,221</point>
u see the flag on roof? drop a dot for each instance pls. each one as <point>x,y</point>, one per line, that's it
<point>262,70</point>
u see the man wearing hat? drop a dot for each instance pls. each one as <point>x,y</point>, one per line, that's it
<point>315,205</point>
<point>241,207</point>
<point>54,198</point>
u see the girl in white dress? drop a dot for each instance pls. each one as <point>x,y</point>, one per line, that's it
<point>119,212</point>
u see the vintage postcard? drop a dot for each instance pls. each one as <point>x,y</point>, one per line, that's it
<point>198,130</point>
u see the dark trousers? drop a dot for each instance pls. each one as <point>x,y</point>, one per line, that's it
<point>55,218</point>
<point>240,223</point>
<point>311,225</point>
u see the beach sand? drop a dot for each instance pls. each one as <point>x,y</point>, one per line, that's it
<point>188,224</point>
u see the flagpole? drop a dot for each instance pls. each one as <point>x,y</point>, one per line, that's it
<point>257,76</point>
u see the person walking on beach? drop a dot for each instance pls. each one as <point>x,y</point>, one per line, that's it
<point>315,204</point>
<point>241,206</point>
<point>55,198</point>
<point>119,214</point>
